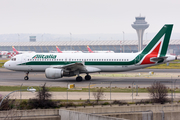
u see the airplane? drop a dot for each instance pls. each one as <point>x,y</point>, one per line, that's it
<point>59,51</point>
<point>9,54</point>
<point>4,52</point>
<point>21,52</point>
<point>56,65</point>
<point>90,51</point>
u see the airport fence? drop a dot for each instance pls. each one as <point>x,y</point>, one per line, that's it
<point>114,90</point>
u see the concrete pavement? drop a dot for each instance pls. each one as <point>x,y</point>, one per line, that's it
<point>84,95</point>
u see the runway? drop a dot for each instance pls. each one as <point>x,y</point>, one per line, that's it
<point>141,78</point>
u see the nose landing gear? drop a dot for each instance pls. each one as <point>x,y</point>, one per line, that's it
<point>26,77</point>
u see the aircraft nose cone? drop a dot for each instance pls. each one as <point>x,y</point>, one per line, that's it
<point>6,65</point>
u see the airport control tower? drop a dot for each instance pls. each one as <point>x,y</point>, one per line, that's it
<point>140,25</point>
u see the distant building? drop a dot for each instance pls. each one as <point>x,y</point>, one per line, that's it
<point>32,38</point>
<point>140,25</point>
<point>98,45</point>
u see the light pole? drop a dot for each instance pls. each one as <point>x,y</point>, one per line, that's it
<point>28,89</point>
<point>89,91</point>
<point>70,40</point>
<point>132,90</point>
<point>146,36</point>
<point>67,91</point>
<point>175,87</point>
<point>110,91</point>
<point>18,41</point>
<point>123,42</point>
<point>42,37</point>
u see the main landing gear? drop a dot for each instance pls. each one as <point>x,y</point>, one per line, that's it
<point>87,77</point>
<point>26,77</point>
<point>79,78</point>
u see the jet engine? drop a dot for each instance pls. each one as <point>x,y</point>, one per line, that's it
<point>53,73</point>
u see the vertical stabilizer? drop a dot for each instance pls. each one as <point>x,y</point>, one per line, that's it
<point>14,49</point>
<point>89,49</point>
<point>59,51</point>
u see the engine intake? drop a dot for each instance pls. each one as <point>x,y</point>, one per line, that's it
<point>53,73</point>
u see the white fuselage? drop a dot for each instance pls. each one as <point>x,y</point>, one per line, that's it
<point>103,51</point>
<point>111,62</point>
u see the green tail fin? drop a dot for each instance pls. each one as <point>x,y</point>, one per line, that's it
<point>166,32</point>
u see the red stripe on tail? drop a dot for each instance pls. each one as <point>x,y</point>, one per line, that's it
<point>154,53</point>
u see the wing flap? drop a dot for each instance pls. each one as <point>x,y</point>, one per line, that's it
<point>78,66</point>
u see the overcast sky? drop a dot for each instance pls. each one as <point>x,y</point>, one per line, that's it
<point>85,16</point>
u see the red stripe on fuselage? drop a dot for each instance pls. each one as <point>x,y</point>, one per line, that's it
<point>154,53</point>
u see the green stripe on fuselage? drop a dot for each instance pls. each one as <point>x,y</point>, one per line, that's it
<point>86,63</point>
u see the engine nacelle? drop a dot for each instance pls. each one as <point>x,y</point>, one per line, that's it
<point>53,73</point>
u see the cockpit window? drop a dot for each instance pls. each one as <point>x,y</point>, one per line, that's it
<point>13,59</point>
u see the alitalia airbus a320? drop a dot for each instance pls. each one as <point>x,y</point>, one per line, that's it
<point>58,65</point>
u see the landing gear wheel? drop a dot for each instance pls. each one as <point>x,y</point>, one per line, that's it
<point>87,77</point>
<point>26,78</point>
<point>79,79</point>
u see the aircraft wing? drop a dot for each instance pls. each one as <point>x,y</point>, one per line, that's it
<point>78,67</point>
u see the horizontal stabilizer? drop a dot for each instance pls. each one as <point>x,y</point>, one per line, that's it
<point>158,59</point>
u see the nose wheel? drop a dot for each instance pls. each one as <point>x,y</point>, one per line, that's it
<point>26,77</point>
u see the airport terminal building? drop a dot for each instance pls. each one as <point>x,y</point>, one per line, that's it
<point>106,45</point>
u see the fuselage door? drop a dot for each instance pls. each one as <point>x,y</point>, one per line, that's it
<point>23,59</point>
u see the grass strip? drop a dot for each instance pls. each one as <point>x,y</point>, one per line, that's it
<point>164,66</point>
<point>63,89</point>
<point>2,62</point>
